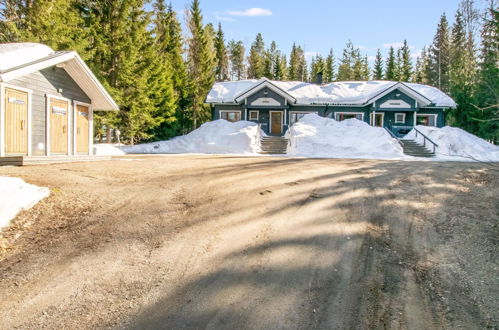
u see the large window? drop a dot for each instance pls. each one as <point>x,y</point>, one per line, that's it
<point>230,115</point>
<point>340,116</point>
<point>426,120</point>
<point>296,116</point>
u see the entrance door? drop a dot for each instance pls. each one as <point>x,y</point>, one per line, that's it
<point>82,129</point>
<point>275,122</point>
<point>377,119</point>
<point>58,126</point>
<point>16,122</point>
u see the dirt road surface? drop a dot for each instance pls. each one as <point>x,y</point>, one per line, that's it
<point>213,242</point>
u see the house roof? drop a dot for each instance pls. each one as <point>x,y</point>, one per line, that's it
<point>19,59</point>
<point>355,93</point>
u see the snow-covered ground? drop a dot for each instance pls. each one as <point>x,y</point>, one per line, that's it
<point>17,195</point>
<point>315,136</point>
<point>214,137</point>
<point>457,144</point>
<point>106,149</point>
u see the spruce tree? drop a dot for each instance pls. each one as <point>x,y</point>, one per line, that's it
<point>390,71</point>
<point>346,63</point>
<point>440,56</point>
<point>270,60</point>
<point>280,67</point>
<point>317,66</point>
<point>405,65</point>
<point>297,64</point>
<point>378,66</point>
<point>256,58</point>
<point>201,63</point>
<point>421,72</point>
<point>222,66</point>
<point>329,68</point>
<point>487,98</point>
<point>237,66</point>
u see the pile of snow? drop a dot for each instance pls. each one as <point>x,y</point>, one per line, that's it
<point>16,54</point>
<point>457,144</point>
<point>17,195</point>
<point>315,136</point>
<point>215,137</point>
<point>106,149</point>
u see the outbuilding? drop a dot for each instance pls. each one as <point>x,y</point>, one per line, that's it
<point>47,103</point>
<point>276,105</point>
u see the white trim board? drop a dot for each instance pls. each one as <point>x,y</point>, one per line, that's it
<point>261,85</point>
<point>222,111</point>
<point>2,116</point>
<point>435,117</point>
<point>257,115</point>
<point>347,113</point>
<point>403,120</point>
<point>372,118</point>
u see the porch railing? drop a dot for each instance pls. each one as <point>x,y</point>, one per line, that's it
<point>394,136</point>
<point>425,138</point>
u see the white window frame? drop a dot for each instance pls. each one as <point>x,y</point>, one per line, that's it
<point>435,117</point>
<point>257,115</point>
<point>270,120</point>
<point>90,125</point>
<point>372,118</point>
<point>348,113</point>
<point>300,112</point>
<point>403,116</point>
<point>222,111</point>
<point>2,116</point>
<point>48,97</point>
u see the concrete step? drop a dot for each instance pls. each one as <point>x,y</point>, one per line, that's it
<point>412,148</point>
<point>273,145</point>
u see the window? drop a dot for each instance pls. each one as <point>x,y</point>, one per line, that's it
<point>230,115</point>
<point>253,115</point>
<point>400,118</point>
<point>340,116</point>
<point>426,120</point>
<point>296,116</point>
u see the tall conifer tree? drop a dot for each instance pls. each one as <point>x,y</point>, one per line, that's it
<point>378,66</point>
<point>222,69</point>
<point>439,56</point>
<point>256,58</point>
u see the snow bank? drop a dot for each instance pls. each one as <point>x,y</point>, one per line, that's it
<point>17,195</point>
<point>215,137</point>
<point>15,54</point>
<point>455,143</point>
<point>106,149</point>
<point>315,136</point>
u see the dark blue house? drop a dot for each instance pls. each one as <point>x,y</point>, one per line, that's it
<point>276,105</point>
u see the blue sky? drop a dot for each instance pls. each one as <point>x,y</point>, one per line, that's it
<point>321,25</point>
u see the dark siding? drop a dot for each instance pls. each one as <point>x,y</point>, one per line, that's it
<point>439,112</point>
<point>270,94</point>
<point>393,96</point>
<point>48,81</point>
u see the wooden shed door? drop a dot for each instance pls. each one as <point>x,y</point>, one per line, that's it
<point>82,129</point>
<point>58,126</point>
<point>16,122</point>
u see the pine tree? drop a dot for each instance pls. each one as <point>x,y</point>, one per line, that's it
<point>329,68</point>
<point>405,64</point>
<point>222,66</point>
<point>440,56</point>
<point>390,71</point>
<point>421,71</point>
<point>270,60</point>
<point>237,66</point>
<point>280,67</point>
<point>201,63</point>
<point>256,58</point>
<point>488,83</point>
<point>378,66</point>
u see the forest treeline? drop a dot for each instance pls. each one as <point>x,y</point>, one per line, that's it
<point>160,75</point>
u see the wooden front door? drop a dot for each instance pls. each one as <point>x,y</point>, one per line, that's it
<point>58,126</point>
<point>82,113</point>
<point>275,122</point>
<point>16,122</point>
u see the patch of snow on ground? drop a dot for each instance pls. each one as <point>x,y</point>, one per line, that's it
<point>457,144</point>
<point>214,137</point>
<point>17,195</point>
<point>106,149</point>
<point>315,136</point>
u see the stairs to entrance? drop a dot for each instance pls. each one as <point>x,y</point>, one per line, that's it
<point>274,145</point>
<point>412,148</point>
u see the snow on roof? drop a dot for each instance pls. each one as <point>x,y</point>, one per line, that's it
<point>16,54</point>
<point>341,92</point>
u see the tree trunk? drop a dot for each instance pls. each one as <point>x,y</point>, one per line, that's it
<point>108,135</point>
